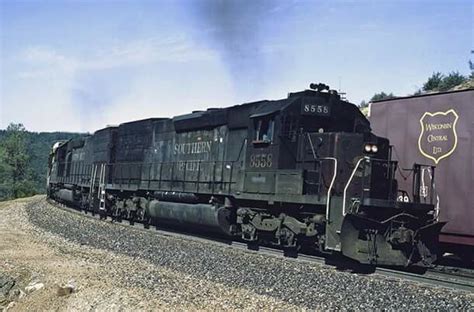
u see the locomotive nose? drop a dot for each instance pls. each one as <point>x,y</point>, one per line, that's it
<point>402,236</point>
<point>378,243</point>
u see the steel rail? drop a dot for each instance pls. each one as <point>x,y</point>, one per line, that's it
<point>432,277</point>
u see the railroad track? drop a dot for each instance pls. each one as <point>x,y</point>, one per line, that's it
<point>439,276</point>
<point>434,277</point>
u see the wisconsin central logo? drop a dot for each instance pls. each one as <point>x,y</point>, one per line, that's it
<point>438,138</point>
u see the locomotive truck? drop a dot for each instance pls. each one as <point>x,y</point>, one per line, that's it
<point>304,171</point>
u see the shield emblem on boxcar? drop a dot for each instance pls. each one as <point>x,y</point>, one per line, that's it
<point>438,138</point>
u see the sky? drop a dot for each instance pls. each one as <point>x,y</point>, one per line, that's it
<point>82,65</point>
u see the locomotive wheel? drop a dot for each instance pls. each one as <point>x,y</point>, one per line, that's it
<point>253,245</point>
<point>131,217</point>
<point>120,215</point>
<point>114,213</point>
<point>466,258</point>
<point>146,221</point>
<point>290,252</point>
<point>102,214</point>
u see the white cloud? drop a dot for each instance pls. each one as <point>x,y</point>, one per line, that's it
<point>45,61</point>
<point>45,55</point>
<point>44,80</point>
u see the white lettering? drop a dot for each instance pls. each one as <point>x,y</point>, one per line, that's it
<point>437,150</point>
<point>431,126</point>
<point>437,138</point>
<point>193,148</point>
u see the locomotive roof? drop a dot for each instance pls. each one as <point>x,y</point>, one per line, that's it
<point>108,128</point>
<point>143,120</point>
<point>200,119</point>
<point>271,107</point>
<point>235,116</point>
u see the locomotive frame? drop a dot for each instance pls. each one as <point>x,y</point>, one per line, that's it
<point>301,171</point>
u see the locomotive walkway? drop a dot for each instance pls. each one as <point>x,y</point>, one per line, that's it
<point>122,267</point>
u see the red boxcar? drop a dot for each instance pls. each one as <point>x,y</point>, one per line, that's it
<point>436,129</point>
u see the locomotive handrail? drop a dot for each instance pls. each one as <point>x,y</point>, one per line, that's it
<point>391,168</point>
<point>132,174</point>
<point>328,199</point>
<point>349,182</point>
<point>214,179</point>
<point>311,145</point>
<point>418,181</point>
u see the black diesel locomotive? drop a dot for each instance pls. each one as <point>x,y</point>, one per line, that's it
<point>301,171</point>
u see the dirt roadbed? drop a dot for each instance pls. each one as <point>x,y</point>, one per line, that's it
<point>98,279</point>
<point>52,259</point>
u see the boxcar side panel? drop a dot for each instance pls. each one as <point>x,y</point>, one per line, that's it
<point>435,130</point>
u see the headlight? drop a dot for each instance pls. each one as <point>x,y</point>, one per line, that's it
<point>371,148</point>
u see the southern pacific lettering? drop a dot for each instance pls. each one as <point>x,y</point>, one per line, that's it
<point>193,148</point>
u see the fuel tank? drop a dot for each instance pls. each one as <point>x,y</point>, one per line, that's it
<point>66,195</point>
<point>195,215</point>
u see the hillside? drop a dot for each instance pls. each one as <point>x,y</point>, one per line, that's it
<point>469,84</point>
<point>38,147</point>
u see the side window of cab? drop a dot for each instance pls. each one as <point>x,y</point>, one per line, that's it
<point>264,130</point>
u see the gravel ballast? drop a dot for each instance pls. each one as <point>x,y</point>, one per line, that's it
<point>254,280</point>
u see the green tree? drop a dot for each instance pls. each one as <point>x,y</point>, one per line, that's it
<point>5,174</point>
<point>451,80</point>
<point>433,82</point>
<point>382,96</point>
<point>15,172</point>
<point>471,67</point>
<point>38,148</point>
<point>440,82</point>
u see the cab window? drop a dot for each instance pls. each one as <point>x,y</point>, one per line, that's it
<point>289,128</point>
<point>264,129</point>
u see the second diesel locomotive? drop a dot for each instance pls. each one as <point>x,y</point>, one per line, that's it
<point>301,171</point>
